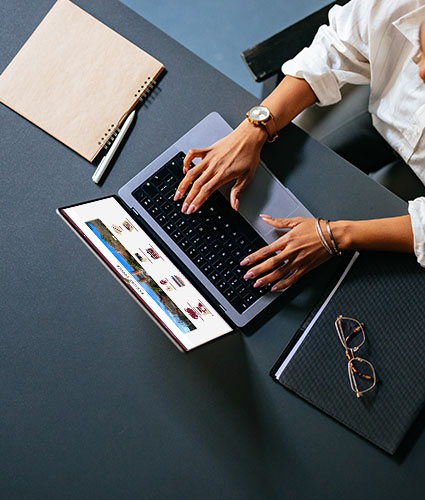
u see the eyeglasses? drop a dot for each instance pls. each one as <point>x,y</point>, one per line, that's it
<point>361,372</point>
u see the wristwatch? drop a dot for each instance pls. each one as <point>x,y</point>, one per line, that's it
<point>261,116</point>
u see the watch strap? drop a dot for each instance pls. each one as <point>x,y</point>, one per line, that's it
<point>270,126</point>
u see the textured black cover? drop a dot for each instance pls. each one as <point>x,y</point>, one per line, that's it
<point>386,292</point>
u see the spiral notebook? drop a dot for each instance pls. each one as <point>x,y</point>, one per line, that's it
<point>77,79</point>
<point>386,292</point>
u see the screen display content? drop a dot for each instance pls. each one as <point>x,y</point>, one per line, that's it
<point>140,264</point>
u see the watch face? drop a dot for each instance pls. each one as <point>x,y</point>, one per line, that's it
<point>259,113</point>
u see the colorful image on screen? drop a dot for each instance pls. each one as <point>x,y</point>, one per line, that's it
<point>140,274</point>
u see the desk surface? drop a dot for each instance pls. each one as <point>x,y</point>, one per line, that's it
<point>95,401</point>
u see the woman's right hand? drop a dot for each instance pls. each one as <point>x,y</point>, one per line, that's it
<point>235,157</point>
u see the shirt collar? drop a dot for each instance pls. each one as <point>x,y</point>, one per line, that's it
<point>408,25</point>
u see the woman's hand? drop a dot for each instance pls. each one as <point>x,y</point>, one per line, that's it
<point>300,251</point>
<point>236,156</point>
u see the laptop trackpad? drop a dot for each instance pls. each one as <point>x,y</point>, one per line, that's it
<point>266,195</point>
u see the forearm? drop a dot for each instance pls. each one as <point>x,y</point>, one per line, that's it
<point>393,234</point>
<point>288,99</point>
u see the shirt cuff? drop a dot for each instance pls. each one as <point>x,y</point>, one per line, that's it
<point>417,216</point>
<point>307,65</point>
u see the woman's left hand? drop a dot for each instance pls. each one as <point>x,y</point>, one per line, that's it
<point>300,251</point>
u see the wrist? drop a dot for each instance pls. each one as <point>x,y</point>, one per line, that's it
<point>252,133</point>
<point>343,233</point>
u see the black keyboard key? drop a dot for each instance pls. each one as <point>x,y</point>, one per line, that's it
<point>262,290</point>
<point>165,189</point>
<point>154,211</point>
<point>191,252</point>
<point>196,240</point>
<point>184,244</point>
<point>177,236</point>
<point>207,269</point>
<point>232,280</point>
<point>230,294</point>
<point>167,208</point>
<point>219,265</point>
<point>170,180</point>
<point>147,204</point>
<point>161,219</point>
<point>199,260</point>
<point>239,271</point>
<point>149,189</point>
<point>212,257</point>
<point>249,299</point>
<point>232,262</point>
<point>175,167</point>
<point>222,286</point>
<point>214,277</point>
<point>238,303</point>
<point>156,179</point>
<point>240,286</point>
<point>169,227</point>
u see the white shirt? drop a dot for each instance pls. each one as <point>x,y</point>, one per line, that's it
<point>376,42</point>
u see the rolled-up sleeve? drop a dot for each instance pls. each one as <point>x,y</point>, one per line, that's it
<point>339,53</point>
<point>417,216</point>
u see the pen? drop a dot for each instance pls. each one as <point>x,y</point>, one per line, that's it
<point>108,157</point>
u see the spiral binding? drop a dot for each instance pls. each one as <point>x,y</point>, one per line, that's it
<point>144,91</point>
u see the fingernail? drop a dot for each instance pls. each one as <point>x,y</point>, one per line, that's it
<point>274,289</point>
<point>258,283</point>
<point>184,170</point>
<point>244,262</point>
<point>184,207</point>
<point>177,196</point>
<point>248,275</point>
<point>236,204</point>
<point>265,216</point>
<point>192,208</point>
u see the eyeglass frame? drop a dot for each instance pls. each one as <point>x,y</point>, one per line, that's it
<point>350,353</point>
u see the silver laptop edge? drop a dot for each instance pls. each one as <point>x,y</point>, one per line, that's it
<point>265,194</point>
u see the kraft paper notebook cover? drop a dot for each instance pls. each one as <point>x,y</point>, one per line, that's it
<point>77,79</point>
<point>386,292</point>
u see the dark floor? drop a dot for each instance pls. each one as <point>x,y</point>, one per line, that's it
<point>219,31</point>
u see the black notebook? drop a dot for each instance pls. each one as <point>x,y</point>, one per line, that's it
<point>386,292</point>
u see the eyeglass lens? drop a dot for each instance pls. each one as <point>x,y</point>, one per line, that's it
<point>361,374</point>
<point>353,332</point>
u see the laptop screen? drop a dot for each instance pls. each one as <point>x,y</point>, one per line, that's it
<point>152,278</point>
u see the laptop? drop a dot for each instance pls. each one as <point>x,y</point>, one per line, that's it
<point>183,270</point>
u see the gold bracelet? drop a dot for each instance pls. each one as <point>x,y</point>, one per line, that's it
<point>336,250</point>
<point>322,236</point>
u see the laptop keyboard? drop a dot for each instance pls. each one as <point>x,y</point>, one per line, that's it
<point>215,237</point>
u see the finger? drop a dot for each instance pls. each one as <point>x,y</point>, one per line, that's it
<point>289,281</point>
<point>277,261</point>
<point>285,271</point>
<point>191,155</point>
<point>236,191</point>
<point>199,188</point>
<point>188,179</point>
<point>282,223</point>
<point>263,252</point>
<point>203,193</point>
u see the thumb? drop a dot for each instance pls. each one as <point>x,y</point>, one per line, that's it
<point>280,223</point>
<point>236,191</point>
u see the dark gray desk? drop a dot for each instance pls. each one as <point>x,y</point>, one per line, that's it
<point>95,402</point>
